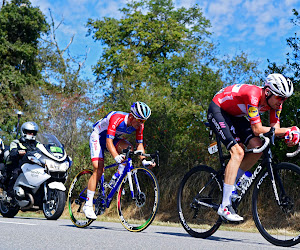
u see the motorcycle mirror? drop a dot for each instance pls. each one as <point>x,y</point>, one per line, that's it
<point>19,113</point>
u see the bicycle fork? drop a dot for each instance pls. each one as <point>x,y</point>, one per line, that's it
<point>269,157</point>
<point>131,176</point>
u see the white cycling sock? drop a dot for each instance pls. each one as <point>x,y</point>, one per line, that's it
<point>90,197</point>
<point>227,191</point>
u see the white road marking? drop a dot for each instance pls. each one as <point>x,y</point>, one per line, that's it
<point>10,222</point>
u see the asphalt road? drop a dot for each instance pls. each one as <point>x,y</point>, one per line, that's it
<point>39,233</point>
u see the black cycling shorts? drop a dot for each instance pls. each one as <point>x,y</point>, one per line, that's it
<point>231,129</point>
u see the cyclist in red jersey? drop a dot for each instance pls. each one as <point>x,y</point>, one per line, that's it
<point>106,136</point>
<point>234,114</point>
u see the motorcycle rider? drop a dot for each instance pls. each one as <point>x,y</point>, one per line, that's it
<point>18,148</point>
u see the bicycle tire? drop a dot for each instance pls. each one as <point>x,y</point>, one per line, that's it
<point>137,214</point>
<point>278,225</point>
<point>77,197</point>
<point>200,184</point>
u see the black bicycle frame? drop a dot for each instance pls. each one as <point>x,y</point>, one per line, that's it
<point>266,162</point>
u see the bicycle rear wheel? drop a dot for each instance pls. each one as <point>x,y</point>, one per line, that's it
<point>278,224</point>
<point>77,197</point>
<point>199,196</point>
<point>136,213</point>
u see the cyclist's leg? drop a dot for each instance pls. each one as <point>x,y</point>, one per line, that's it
<point>98,168</point>
<point>220,121</point>
<point>121,144</point>
<point>247,137</point>
<point>250,159</point>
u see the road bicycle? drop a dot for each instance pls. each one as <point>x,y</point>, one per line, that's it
<point>275,197</point>
<point>137,195</point>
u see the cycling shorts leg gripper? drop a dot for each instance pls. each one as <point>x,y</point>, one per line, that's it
<point>221,123</point>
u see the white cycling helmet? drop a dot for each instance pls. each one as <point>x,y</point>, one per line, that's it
<point>279,85</point>
<point>140,110</point>
<point>29,127</point>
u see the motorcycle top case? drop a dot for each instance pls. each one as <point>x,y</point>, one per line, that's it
<point>34,174</point>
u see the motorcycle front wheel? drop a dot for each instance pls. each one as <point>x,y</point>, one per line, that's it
<point>8,210</point>
<point>54,207</point>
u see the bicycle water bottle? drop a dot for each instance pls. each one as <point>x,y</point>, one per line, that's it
<point>116,175</point>
<point>242,183</point>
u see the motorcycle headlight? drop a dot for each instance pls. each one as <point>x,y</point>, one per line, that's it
<point>56,166</point>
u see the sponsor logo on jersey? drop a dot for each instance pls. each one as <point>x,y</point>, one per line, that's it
<point>254,100</point>
<point>252,111</point>
<point>224,99</point>
<point>277,113</point>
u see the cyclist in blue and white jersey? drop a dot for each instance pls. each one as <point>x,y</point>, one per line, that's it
<point>106,136</point>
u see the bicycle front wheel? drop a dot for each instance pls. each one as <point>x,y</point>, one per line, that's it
<point>199,196</point>
<point>77,196</point>
<point>137,207</point>
<point>278,223</point>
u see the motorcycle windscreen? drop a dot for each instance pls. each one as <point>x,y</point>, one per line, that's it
<point>34,174</point>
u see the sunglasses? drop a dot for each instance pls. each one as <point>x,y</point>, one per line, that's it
<point>280,98</point>
<point>140,120</point>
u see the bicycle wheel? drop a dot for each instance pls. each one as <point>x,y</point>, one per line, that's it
<point>199,196</point>
<point>278,224</point>
<point>136,213</point>
<point>77,197</point>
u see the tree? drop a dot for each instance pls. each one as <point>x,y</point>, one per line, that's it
<point>161,56</point>
<point>66,98</point>
<point>21,25</point>
<point>164,57</point>
<point>290,115</point>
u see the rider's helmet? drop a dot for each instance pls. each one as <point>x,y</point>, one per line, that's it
<point>29,130</point>
<point>140,110</point>
<point>279,85</point>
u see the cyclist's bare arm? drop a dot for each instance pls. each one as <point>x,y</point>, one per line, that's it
<point>111,147</point>
<point>140,147</point>
<point>258,129</point>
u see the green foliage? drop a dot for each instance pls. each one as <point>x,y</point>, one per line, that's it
<point>163,56</point>
<point>290,115</point>
<point>21,25</point>
<point>66,97</point>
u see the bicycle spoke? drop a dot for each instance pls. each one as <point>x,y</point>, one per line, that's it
<point>199,197</point>
<point>77,197</point>
<point>279,223</point>
<point>136,213</point>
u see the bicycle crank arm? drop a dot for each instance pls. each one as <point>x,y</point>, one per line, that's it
<point>213,206</point>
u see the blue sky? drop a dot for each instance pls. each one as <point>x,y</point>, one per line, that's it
<point>257,27</point>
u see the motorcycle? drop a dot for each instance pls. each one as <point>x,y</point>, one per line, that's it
<point>40,186</point>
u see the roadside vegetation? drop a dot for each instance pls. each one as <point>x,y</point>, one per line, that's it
<point>155,53</point>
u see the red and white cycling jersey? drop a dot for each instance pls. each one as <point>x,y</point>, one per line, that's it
<point>111,126</point>
<point>245,100</point>
<point>115,124</point>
